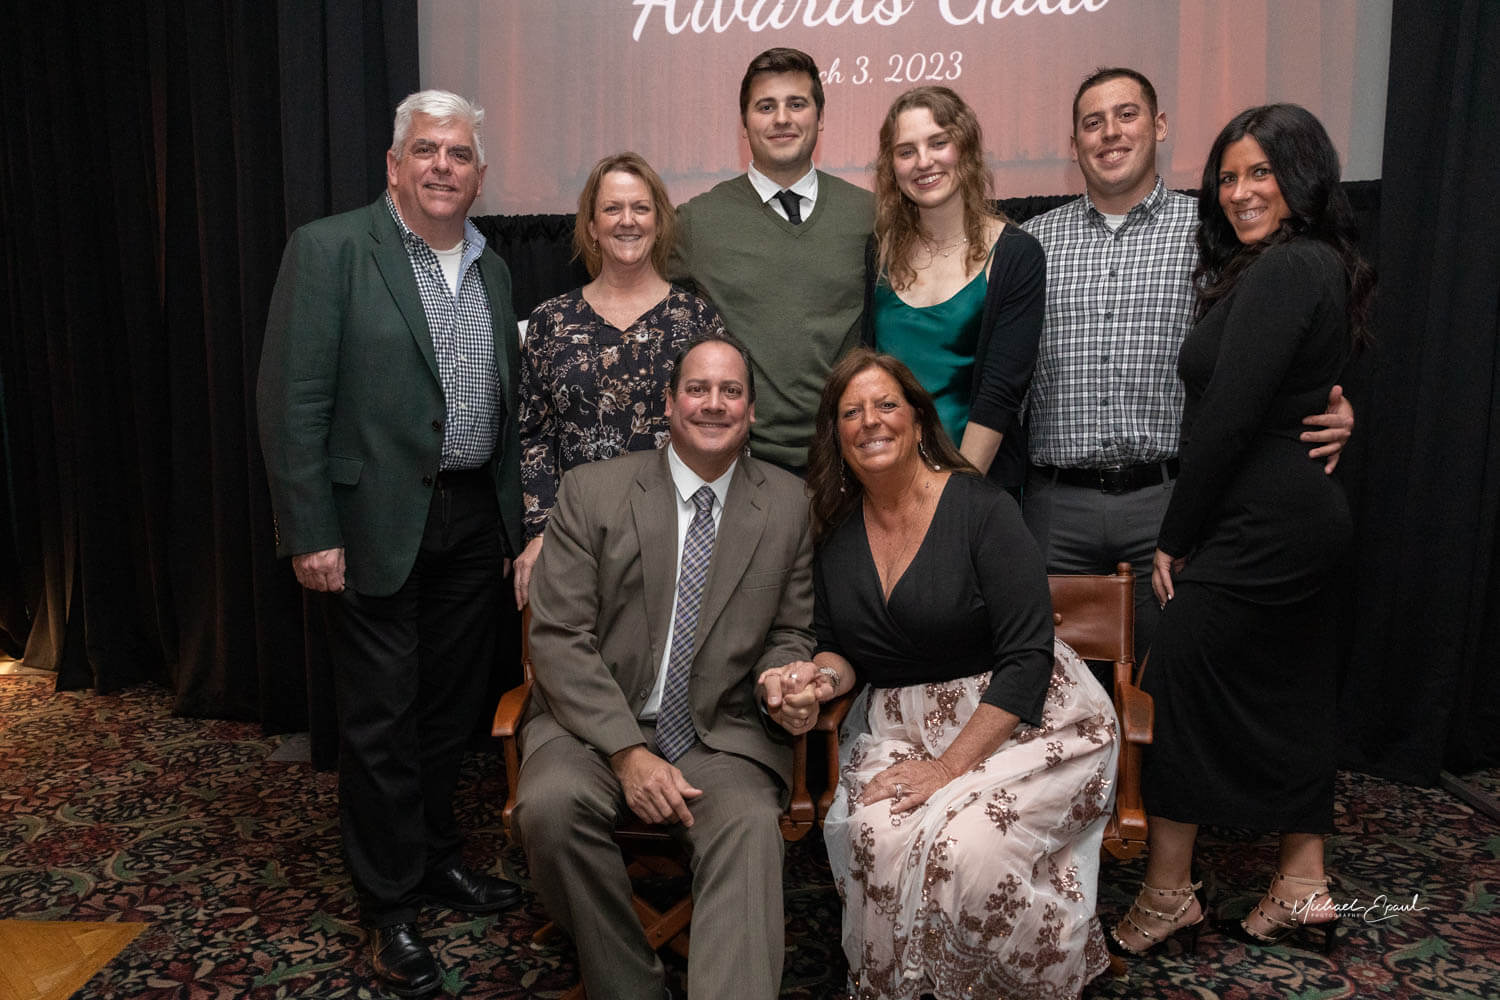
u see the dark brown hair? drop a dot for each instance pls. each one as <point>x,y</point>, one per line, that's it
<point>1104,74</point>
<point>835,491</point>
<point>712,337</point>
<point>1306,168</point>
<point>781,60</point>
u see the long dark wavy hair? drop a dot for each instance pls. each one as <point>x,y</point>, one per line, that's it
<point>897,226</point>
<point>835,491</point>
<point>1306,168</point>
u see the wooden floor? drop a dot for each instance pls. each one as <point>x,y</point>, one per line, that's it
<point>51,960</point>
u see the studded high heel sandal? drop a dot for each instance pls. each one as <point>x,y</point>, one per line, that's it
<point>1286,919</point>
<point>1167,924</point>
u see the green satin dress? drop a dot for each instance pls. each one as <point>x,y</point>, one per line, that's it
<point>937,343</point>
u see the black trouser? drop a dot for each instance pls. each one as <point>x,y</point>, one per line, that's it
<point>410,672</point>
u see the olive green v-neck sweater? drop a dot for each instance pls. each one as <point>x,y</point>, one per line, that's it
<point>793,294</point>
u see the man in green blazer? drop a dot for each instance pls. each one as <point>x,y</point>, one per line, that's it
<point>387,403</point>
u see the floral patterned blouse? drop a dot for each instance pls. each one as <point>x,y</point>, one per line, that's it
<point>590,391</point>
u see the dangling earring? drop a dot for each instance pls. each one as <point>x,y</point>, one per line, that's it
<point>922,450</point>
<point>843,476</point>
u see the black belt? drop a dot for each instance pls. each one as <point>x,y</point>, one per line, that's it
<point>455,478</point>
<point>1114,478</point>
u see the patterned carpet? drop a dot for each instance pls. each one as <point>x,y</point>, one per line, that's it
<point>111,809</point>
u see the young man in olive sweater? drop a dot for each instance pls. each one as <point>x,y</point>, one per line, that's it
<point>780,252</point>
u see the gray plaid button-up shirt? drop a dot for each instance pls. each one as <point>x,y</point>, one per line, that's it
<point>1105,391</point>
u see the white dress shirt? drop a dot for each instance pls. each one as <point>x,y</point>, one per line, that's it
<point>685,483</point>
<point>806,189</point>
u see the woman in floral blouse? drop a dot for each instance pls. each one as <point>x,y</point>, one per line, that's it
<point>595,362</point>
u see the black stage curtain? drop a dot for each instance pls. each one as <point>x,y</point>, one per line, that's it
<point>1422,688</point>
<point>155,157</point>
<point>539,252</point>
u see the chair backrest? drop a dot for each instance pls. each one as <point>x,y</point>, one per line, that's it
<point>1096,614</point>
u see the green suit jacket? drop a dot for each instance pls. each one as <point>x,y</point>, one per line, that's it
<point>350,402</point>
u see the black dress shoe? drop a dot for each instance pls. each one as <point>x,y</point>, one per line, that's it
<point>402,962</point>
<point>472,892</point>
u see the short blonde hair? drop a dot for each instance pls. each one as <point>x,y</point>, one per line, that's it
<point>584,245</point>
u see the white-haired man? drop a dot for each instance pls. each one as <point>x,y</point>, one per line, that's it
<point>387,417</point>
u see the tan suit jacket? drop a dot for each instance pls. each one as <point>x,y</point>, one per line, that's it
<point>602,595</point>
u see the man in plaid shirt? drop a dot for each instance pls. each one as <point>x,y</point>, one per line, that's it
<point>1105,406</point>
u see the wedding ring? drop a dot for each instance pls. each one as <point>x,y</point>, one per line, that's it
<point>900,790</point>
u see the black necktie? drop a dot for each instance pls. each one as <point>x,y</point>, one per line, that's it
<point>792,202</point>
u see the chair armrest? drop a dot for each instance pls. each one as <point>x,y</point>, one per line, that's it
<point>508,713</point>
<point>830,717</point>
<point>507,720</point>
<point>1137,713</point>
<point>800,814</point>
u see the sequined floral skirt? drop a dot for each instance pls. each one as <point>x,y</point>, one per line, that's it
<point>988,888</point>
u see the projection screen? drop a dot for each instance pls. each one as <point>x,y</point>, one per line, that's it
<point>565,82</point>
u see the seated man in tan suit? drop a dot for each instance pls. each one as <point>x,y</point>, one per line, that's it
<point>672,584</point>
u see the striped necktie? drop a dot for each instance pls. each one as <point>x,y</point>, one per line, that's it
<point>674,719</point>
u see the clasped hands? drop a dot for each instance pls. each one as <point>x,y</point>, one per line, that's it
<point>792,693</point>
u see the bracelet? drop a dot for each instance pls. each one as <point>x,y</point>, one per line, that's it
<point>833,676</point>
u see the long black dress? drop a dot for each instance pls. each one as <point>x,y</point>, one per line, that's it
<point>1242,665</point>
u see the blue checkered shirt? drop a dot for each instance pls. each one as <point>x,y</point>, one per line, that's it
<point>1105,391</point>
<point>463,340</point>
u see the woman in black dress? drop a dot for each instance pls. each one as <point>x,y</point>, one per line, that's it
<point>979,764</point>
<point>1242,666</point>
